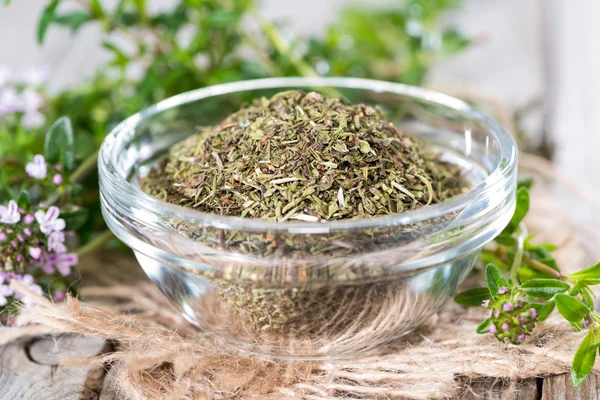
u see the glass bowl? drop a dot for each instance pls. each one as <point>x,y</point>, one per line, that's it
<point>310,289</point>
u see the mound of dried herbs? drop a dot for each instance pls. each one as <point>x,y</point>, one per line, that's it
<point>303,156</point>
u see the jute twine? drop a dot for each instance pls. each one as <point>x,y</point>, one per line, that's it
<point>160,355</point>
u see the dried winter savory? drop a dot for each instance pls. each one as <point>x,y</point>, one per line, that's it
<point>302,156</point>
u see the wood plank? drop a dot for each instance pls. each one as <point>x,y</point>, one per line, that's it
<point>559,387</point>
<point>23,378</point>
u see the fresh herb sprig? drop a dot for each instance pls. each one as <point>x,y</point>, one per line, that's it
<point>535,287</point>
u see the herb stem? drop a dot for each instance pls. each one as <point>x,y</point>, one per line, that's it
<point>95,244</point>
<point>281,45</point>
<point>539,266</point>
<point>87,166</point>
<point>517,261</point>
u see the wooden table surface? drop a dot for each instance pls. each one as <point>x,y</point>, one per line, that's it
<point>29,369</point>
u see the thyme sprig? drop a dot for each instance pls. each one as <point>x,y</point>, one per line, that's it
<point>535,288</point>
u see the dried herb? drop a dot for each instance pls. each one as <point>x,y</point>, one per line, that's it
<point>302,156</point>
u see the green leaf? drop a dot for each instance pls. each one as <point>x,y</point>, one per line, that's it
<point>74,219</point>
<point>494,279</point>
<point>23,200</point>
<point>584,359</point>
<point>74,20</point>
<point>506,239</point>
<point>473,297</point>
<point>97,8</point>
<point>544,287</point>
<point>592,272</point>
<point>525,183</point>
<point>521,210</point>
<point>58,145</point>
<point>543,309</point>
<point>46,19</point>
<point>483,327</point>
<point>5,194</point>
<point>570,308</point>
<point>453,42</point>
<point>121,59</point>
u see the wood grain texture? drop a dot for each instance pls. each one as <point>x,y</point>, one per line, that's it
<point>23,378</point>
<point>559,387</point>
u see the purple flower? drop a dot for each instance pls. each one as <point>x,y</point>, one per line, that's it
<point>38,168</point>
<point>59,296</point>
<point>9,101</point>
<point>31,100</point>
<point>32,119</point>
<point>522,320</point>
<point>30,283</point>
<point>57,179</point>
<point>49,220</point>
<point>56,242</point>
<point>507,307</point>
<point>502,290</point>
<point>486,303</point>
<point>521,337</point>
<point>492,329</point>
<point>5,291</point>
<point>10,214</point>
<point>505,327</point>
<point>35,76</point>
<point>61,262</point>
<point>35,252</point>
<point>3,236</point>
<point>28,219</point>
<point>64,262</point>
<point>533,312</point>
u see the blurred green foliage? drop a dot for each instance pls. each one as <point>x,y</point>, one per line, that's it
<point>155,54</point>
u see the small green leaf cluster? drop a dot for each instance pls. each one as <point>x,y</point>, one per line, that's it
<point>536,288</point>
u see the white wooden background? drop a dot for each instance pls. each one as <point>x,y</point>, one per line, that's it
<point>525,50</point>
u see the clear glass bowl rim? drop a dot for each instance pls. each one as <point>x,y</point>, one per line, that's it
<point>493,183</point>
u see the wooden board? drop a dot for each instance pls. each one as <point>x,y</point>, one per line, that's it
<point>22,377</point>
<point>29,370</point>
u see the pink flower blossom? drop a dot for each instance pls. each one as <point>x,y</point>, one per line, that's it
<point>38,168</point>
<point>5,291</point>
<point>57,179</point>
<point>32,119</point>
<point>507,307</point>
<point>31,100</point>
<point>59,262</point>
<point>10,214</point>
<point>49,220</point>
<point>35,76</point>
<point>59,296</point>
<point>28,219</point>
<point>35,252</point>
<point>492,329</point>
<point>30,283</point>
<point>9,101</point>
<point>502,290</point>
<point>56,242</point>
